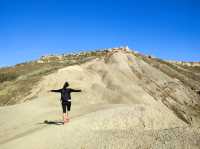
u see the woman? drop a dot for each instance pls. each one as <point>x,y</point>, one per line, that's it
<point>65,99</point>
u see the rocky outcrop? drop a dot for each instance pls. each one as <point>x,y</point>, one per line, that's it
<point>189,64</point>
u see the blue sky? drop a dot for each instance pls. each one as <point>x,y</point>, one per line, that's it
<point>168,29</point>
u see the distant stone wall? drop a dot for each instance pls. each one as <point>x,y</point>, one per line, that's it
<point>63,57</point>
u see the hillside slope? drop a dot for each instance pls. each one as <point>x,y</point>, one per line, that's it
<point>128,101</point>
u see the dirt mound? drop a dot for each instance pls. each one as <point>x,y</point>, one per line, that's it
<point>125,103</point>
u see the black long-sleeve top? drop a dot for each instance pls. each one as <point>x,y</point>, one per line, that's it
<point>65,93</point>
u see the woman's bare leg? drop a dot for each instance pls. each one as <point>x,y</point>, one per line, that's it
<point>64,117</point>
<point>67,116</point>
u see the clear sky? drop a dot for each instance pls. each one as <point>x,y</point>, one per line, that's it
<point>168,29</point>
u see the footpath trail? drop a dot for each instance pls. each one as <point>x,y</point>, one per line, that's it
<point>97,129</point>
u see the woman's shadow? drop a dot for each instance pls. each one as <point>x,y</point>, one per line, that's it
<point>53,122</point>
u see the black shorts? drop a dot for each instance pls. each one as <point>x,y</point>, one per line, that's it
<point>66,104</point>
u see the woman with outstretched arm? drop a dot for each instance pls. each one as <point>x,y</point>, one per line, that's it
<point>65,99</point>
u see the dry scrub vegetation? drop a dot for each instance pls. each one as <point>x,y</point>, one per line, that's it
<point>189,76</point>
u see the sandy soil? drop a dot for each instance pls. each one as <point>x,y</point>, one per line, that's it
<point>125,103</point>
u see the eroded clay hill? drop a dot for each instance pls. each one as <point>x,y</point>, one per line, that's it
<point>128,101</point>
